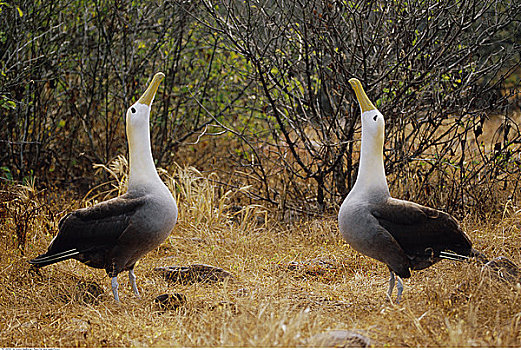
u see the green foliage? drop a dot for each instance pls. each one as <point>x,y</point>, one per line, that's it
<point>6,173</point>
<point>266,81</point>
<point>81,65</point>
<point>6,103</point>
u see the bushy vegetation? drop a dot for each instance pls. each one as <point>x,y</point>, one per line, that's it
<point>259,92</point>
<point>437,71</point>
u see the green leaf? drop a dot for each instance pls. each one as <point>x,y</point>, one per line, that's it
<point>6,173</point>
<point>20,12</point>
<point>7,104</point>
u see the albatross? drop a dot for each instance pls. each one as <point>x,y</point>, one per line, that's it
<point>114,234</point>
<point>404,235</point>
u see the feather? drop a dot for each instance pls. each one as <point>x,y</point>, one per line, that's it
<point>89,234</point>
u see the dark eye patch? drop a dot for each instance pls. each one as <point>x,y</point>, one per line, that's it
<point>133,110</point>
<point>374,118</point>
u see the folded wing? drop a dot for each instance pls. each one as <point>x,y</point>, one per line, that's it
<point>426,235</point>
<point>89,234</point>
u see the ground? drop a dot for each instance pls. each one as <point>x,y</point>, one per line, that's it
<point>290,282</point>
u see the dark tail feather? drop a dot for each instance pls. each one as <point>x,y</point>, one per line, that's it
<point>480,257</point>
<point>453,256</point>
<point>44,259</point>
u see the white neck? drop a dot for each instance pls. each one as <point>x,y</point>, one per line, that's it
<point>371,171</point>
<point>142,168</point>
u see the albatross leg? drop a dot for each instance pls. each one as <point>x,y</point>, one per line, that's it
<point>391,284</point>
<point>132,278</point>
<point>399,286</point>
<point>115,285</point>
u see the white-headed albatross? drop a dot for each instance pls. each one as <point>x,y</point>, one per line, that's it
<point>404,235</point>
<point>114,234</point>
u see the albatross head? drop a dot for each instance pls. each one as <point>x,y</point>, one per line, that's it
<point>371,172</point>
<point>139,113</point>
<point>142,167</point>
<point>373,123</point>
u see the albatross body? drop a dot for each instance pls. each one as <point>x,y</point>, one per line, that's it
<point>404,235</point>
<point>114,234</point>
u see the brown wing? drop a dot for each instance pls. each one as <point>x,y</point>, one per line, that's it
<point>420,230</point>
<point>90,232</point>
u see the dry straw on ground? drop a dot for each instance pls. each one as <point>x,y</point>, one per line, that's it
<point>289,284</point>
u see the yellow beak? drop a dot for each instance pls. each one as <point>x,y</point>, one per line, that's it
<point>148,96</point>
<point>363,100</point>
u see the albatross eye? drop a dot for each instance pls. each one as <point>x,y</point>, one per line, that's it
<point>374,118</point>
<point>133,110</point>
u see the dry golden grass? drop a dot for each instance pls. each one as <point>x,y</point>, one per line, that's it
<point>265,304</point>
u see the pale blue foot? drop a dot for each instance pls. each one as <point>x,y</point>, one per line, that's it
<point>115,285</point>
<point>391,285</point>
<point>399,286</point>
<point>132,278</point>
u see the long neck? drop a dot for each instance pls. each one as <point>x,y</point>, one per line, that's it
<point>371,171</point>
<point>142,168</point>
